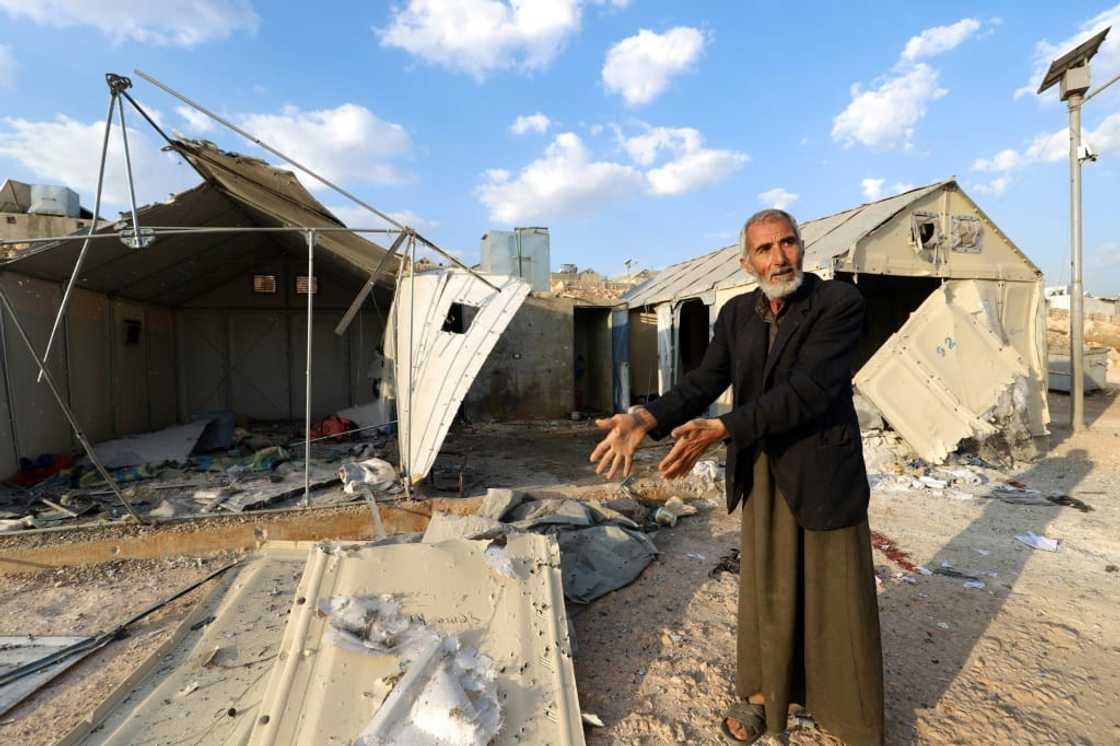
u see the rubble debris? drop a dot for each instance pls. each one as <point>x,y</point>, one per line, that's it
<point>373,473</point>
<point>447,694</point>
<point>601,549</point>
<point>669,513</point>
<point>1034,541</point>
<point>170,444</point>
<point>727,563</point>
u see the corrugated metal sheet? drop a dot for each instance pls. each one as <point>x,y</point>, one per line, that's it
<point>207,687</point>
<point>439,366</point>
<point>824,238</point>
<point>510,609</point>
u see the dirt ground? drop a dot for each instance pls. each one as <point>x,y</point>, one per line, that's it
<point>1033,657</point>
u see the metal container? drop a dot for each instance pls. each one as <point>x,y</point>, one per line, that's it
<point>522,252</point>
<point>54,200</point>
<point>1096,370</point>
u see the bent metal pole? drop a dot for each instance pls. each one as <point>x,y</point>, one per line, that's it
<point>92,228</point>
<point>86,446</point>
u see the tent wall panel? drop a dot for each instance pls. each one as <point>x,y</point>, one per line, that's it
<point>330,355</point>
<point>259,364</point>
<point>130,367</point>
<point>203,361</point>
<point>163,388</point>
<point>89,348</point>
<point>40,425</point>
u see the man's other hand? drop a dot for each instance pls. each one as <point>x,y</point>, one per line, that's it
<point>626,432</point>
<point>693,438</point>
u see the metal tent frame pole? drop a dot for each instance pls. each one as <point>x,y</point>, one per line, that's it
<point>307,371</point>
<point>92,229</point>
<point>86,446</point>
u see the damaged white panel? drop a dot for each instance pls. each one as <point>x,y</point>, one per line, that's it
<point>425,643</point>
<point>170,444</point>
<point>948,374</point>
<point>446,323</point>
<point>207,688</point>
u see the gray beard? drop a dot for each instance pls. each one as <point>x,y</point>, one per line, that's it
<point>779,290</point>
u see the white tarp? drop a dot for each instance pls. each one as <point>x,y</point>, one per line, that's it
<point>948,374</point>
<point>445,324</point>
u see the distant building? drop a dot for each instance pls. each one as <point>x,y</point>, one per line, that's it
<point>38,211</point>
<point>1058,298</point>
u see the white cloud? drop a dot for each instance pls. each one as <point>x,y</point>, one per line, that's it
<point>778,198</point>
<point>885,117</point>
<point>479,37</point>
<point>1104,256</point>
<point>359,217</point>
<point>872,189</point>
<point>694,170</point>
<point>995,187</point>
<point>692,165</point>
<point>7,66</point>
<point>66,152</point>
<point>530,123</point>
<point>1047,147</point>
<point>348,143</point>
<point>644,149</point>
<point>876,189</point>
<point>181,23</point>
<point>641,66</point>
<point>939,39</point>
<point>1106,63</point>
<point>196,121</point>
<point>564,182</point>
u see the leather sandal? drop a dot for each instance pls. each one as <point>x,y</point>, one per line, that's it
<point>752,717</point>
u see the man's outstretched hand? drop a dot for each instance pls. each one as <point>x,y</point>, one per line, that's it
<point>626,432</point>
<point>693,438</point>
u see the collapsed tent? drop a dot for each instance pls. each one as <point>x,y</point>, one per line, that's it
<point>928,259</point>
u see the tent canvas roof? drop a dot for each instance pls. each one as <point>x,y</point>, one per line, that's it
<point>237,191</point>
<point>824,238</point>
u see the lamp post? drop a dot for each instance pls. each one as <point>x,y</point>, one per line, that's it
<point>1071,70</point>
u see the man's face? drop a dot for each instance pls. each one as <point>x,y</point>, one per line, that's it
<point>774,257</point>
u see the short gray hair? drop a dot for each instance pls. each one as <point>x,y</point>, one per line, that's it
<point>769,215</point>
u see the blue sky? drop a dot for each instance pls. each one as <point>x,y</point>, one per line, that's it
<point>649,130</point>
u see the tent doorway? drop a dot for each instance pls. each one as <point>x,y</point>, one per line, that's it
<point>693,335</point>
<point>890,301</point>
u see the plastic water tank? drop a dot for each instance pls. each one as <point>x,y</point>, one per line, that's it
<point>522,252</point>
<point>54,200</point>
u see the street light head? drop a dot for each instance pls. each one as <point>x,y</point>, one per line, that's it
<point>1075,62</point>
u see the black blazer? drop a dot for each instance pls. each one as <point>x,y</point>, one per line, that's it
<point>797,406</point>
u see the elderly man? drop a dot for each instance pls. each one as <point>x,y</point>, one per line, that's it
<point>808,616</point>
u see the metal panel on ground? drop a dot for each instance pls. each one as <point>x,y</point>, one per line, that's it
<point>943,376</point>
<point>446,322</point>
<point>505,603</point>
<point>221,664</point>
